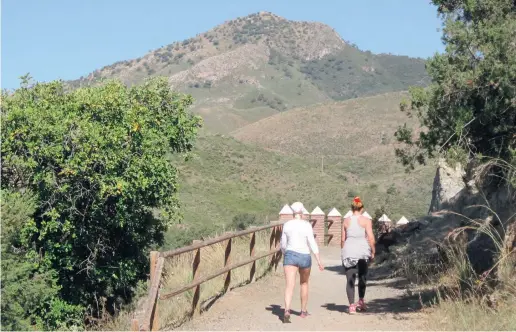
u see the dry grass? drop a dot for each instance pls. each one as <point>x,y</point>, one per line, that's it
<point>178,272</point>
<point>466,300</point>
<point>473,314</point>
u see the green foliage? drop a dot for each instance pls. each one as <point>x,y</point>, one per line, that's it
<point>352,73</point>
<point>392,190</point>
<point>377,225</point>
<point>105,192</point>
<point>30,293</point>
<point>273,102</point>
<point>472,100</point>
<point>243,221</point>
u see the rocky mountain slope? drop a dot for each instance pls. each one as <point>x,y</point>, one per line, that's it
<point>256,66</point>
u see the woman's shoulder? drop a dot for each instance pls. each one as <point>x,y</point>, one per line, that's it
<point>364,220</point>
<point>289,222</point>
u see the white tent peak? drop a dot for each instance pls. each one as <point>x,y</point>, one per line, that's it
<point>403,221</point>
<point>384,218</point>
<point>317,212</point>
<point>286,210</point>
<point>367,215</point>
<point>334,213</point>
<point>348,214</point>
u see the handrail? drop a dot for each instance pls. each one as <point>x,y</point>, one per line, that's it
<point>210,242</point>
<point>216,274</point>
<point>149,317</point>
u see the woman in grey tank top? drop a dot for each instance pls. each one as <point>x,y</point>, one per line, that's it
<point>358,249</point>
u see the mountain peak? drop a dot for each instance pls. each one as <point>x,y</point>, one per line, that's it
<point>254,66</point>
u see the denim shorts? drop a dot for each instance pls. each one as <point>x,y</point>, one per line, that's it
<point>303,261</point>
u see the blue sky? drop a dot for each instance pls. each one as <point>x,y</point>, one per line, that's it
<point>66,39</point>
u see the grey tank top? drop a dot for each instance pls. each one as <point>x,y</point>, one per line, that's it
<point>356,246</point>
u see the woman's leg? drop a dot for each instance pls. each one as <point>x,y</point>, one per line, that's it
<point>304,275</point>
<point>351,274</point>
<point>290,280</point>
<point>362,278</point>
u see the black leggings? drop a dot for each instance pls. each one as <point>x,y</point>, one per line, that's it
<point>351,274</point>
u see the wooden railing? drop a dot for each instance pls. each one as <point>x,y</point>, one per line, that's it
<point>147,320</point>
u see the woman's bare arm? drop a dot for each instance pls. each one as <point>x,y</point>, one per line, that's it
<point>370,236</point>
<point>343,235</point>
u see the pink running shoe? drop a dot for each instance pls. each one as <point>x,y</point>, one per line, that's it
<point>361,306</point>
<point>304,314</point>
<point>352,309</point>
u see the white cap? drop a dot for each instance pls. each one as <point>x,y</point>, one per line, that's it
<point>298,208</point>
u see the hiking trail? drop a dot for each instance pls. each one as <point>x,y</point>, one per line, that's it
<point>259,306</point>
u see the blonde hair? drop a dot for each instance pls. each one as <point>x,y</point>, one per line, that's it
<point>357,204</point>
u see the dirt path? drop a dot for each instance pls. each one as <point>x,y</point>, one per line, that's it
<point>259,306</point>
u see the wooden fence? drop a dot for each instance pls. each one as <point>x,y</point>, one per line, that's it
<point>147,320</point>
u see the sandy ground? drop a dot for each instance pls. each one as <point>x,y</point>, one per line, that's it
<point>259,306</point>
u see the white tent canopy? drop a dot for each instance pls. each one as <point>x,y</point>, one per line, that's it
<point>348,214</point>
<point>384,218</point>
<point>317,212</point>
<point>334,213</point>
<point>305,211</point>
<point>403,221</point>
<point>286,210</point>
<point>367,215</point>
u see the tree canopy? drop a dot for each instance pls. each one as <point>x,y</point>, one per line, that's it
<point>103,189</point>
<point>471,105</point>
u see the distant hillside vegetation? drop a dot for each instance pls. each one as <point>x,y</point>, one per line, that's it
<point>322,155</point>
<point>256,66</point>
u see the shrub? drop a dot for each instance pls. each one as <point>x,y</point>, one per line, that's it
<point>243,221</point>
<point>104,191</point>
<point>29,291</point>
<point>392,190</point>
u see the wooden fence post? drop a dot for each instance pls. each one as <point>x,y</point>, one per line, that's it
<point>227,261</point>
<point>196,308</point>
<point>154,255</point>
<point>251,254</point>
<point>153,260</point>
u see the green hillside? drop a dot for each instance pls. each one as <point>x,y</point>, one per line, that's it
<point>226,178</point>
<point>280,88</point>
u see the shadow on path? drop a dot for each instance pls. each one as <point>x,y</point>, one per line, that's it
<point>393,283</point>
<point>335,307</point>
<point>339,269</point>
<point>394,305</point>
<point>276,310</point>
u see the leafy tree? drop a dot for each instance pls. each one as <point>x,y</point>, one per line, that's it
<point>104,190</point>
<point>30,293</point>
<point>471,103</point>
